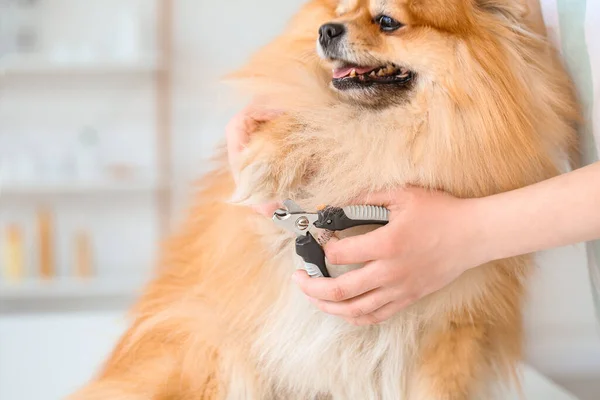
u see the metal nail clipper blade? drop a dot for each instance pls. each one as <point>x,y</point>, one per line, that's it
<point>305,225</point>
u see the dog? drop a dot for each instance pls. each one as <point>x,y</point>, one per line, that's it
<point>455,95</point>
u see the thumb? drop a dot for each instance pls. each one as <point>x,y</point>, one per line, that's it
<point>359,249</point>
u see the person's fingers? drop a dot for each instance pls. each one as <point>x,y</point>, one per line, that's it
<point>359,306</point>
<point>238,133</point>
<point>242,126</point>
<point>374,245</point>
<point>262,114</point>
<point>267,209</point>
<point>347,286</point>
<point>377,317</point>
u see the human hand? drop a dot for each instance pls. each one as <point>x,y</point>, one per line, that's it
<point>238,133</point>
<point>428,243</point>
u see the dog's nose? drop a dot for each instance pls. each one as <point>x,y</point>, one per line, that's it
<point>328,32</point>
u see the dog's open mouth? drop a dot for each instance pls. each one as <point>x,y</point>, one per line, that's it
<point>355,77</point>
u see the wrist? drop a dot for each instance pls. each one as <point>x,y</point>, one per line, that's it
<point>476,223</point>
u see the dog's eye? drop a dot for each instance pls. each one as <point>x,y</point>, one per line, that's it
<point>388,24</point>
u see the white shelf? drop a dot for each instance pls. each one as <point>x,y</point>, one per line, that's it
<point>81,188</point>
<point>38,65</point>
<point>71,288</point>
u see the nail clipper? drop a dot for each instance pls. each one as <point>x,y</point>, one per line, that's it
<point>309,243</point>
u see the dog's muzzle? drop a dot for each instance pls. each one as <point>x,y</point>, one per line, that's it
<point>330,36</point>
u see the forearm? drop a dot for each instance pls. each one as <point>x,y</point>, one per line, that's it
<point>558,212</point>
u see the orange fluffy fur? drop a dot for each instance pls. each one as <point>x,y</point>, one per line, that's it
<point>492,111</point>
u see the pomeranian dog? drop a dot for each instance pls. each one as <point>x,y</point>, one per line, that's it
<point>455,95</point>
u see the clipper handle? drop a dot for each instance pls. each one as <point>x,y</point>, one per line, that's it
<point>313,255</point>
<point>340,219</point>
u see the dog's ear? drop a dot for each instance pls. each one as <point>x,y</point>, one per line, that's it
<point>517,9</point>
<point>448,15</point>
<point>459,15</point>
<point>523,11</point>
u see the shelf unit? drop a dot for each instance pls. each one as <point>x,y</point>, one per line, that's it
<point>159,70</point>
<point>83,188</point>
<point>23,66</point>
<point>70,288</point>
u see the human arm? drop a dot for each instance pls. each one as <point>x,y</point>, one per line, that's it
<point>557,212</point>
<point>433,238</point>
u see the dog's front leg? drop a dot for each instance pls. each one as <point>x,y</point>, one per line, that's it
<point>275,164</point>
<point>452,365</point>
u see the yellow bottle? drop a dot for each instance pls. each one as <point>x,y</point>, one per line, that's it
<point>83,256</point>
<point>13,254</point>
<point>46,255</point>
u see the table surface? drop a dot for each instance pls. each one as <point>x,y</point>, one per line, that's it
<point>59,352</point>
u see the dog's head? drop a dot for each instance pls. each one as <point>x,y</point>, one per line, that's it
<point>363,47</point>
<point>379,49</point>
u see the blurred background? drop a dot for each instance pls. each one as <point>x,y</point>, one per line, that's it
<point>109,109</point>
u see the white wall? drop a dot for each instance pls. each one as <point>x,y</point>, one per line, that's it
<point>211,39</point>
<point>563,335</point>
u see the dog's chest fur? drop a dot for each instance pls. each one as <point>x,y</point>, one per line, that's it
<point>303,353</point>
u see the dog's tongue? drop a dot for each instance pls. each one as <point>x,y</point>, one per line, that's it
<point>343,72</point>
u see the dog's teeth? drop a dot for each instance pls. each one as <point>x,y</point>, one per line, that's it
<point>353,74</point>
<point>372,74</point>
<point>381,73</point>
<point>390,69</point>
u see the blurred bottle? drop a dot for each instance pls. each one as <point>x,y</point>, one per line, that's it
<point>53,165</point>
<point>46,242</point>
<point>8,28</point>
<point>17,163</point>
<point>83,255</point>
<point>24,170</point>
<point>127,27</point>
<point>87,160</point>
<point>28,37</point>
<point>14,262</point>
